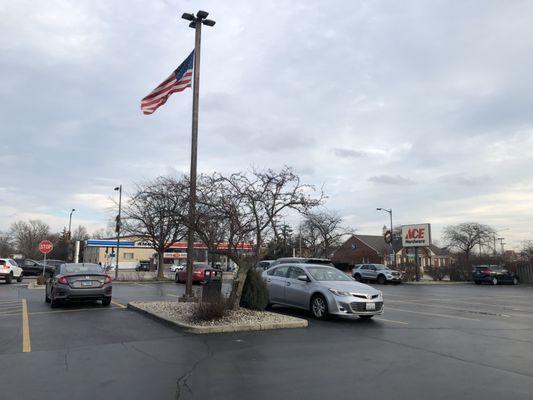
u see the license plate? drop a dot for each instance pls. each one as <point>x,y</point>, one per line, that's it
<point>370,306</point>
<point>86,283</point>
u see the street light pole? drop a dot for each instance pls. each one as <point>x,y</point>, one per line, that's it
<point>389,210</point>
<point>117,228</point>
<point>196,22</point>
<point>69,232</point>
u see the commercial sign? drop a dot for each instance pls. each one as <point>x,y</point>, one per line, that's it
<point>416,235</point>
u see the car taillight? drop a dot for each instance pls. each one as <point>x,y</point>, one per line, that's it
<point>6,266</point>
<point>108,279</point>
<point>63,280</point>
<point>487,272</point>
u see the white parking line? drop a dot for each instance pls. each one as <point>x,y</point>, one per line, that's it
<point>433,314</point>
<point>390,320</point>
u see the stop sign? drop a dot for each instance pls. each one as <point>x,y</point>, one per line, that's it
<point>46,246</point>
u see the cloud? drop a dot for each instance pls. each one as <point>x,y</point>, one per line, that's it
<point>349,153</point>
<point>385,179</point>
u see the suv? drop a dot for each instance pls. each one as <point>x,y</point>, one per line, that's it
<point>493,274</point>
<point>301,260</point>
<point>9,269</point>
<point>376,272</point>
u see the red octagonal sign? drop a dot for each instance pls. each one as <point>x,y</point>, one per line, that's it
<point>46,246</point>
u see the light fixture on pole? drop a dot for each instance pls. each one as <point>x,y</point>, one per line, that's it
<point>117,227</point>
<point>393,256</point>
<point>196,22</point>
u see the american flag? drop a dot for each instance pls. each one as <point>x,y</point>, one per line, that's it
<point>178,81</point>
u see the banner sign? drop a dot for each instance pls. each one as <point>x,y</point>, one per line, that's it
<point>416,235</point>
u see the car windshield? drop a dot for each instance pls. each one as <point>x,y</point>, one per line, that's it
<point>81,269</point>
<point>327,274</point>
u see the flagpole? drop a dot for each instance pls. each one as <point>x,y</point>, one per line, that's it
<point>196,22</point>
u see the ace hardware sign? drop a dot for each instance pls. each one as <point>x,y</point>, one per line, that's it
<point>416,235</point>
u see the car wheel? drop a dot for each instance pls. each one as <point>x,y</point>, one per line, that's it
<point>494,281</point>
<point>106,301</point>
<point>319,307</point>
<point>477,282</point>
<point>366,317</point>
<point>54,303</point>
<point>357,277</point>
<point>382,280</point>
<point>515,281</point>
<point>19,279</point>
<point>9,278</point>
<point>46,298</point>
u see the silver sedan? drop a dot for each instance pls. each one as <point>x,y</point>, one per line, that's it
<point>322,290</point>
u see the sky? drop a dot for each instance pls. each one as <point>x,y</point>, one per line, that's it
<point>424,107</point>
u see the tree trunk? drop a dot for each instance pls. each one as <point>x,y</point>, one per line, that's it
<point>238,283</point>
<point>160,259</point>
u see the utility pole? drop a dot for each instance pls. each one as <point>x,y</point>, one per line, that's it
<point>196,23</point>
<point>501,244</point>
<point>117,228</point>
<point>70,233</point>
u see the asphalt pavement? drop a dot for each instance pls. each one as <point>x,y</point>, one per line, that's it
<point>433,341</point>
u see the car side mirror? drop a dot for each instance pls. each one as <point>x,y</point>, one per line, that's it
<point>303,278</point>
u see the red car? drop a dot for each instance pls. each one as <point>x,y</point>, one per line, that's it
<point>200,273</point>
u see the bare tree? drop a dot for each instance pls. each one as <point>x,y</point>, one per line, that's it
<point>155,213</point>
<point>322,232</point>
<point>527,250</point>
<point>6,245</point>
<point>466,236</point>
<point>27,235</point>
<point>240,208</point>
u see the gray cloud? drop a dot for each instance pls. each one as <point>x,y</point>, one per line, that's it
<point>349,153</point>
<point>385,179</point>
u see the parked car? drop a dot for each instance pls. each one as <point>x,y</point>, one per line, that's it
<point>201,273</point>
<point>78,281</point>
<point>322,290</point>
<point>143,266</point>
<point>263,265</point>
<point>301,260</point>
<point>32,267</point>
<point>494,275</point>
<point>376,273</point>
<point>10,270</point>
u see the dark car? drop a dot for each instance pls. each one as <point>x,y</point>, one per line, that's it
<point>78,281</point>
<point>263,265</point>
<point>494,275</point>
<point>143,266</point>
<point>33,268</point>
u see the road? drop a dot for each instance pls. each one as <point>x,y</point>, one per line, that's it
<point>434,341</point>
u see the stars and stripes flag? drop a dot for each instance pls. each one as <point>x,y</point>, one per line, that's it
<point>178,81</point>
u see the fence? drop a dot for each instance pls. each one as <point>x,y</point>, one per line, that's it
<point>525,274</point>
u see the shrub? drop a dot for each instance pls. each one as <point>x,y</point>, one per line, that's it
<point>437,273</point>
<point>211,310</point>
<point>255,292</point>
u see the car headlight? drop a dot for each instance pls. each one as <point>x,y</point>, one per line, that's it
<point>339,292</point>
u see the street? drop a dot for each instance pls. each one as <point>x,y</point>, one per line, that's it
<point>433,341</point>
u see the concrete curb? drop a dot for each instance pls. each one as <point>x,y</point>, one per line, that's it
<point>181,326</point>
<point>142,282</point>
<point>34,286</point>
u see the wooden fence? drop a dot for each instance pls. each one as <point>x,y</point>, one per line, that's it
<point>525,274</point>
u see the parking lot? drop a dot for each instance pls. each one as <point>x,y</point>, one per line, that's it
<point>433,341</point>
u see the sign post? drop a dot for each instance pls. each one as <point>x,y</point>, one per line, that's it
<point>45,247</point>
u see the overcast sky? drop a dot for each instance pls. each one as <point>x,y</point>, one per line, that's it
<point>422,106</point>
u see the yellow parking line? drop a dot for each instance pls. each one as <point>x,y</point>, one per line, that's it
<point>26,343</point>
<point>118,304</point>
<point>433,314</point>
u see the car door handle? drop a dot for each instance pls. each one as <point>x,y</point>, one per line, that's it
<point>288,283</point>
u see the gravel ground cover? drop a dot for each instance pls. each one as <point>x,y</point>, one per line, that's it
<point>240,319</point>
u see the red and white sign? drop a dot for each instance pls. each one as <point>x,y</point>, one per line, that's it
<point>416,235</point>
<point>46,246</point>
